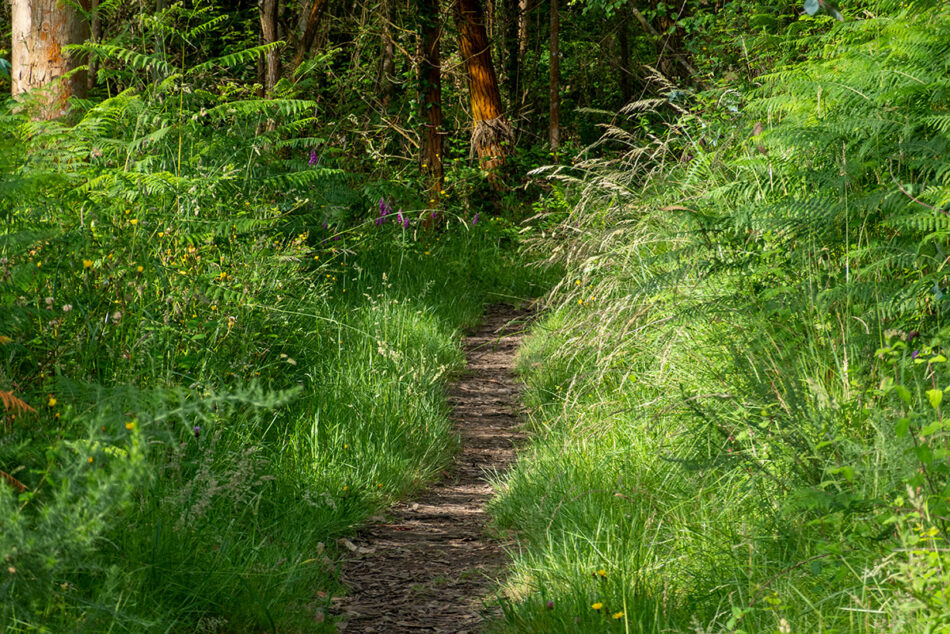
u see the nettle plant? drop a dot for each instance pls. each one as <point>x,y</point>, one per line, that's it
<point>919,514</point>
<point>922,421</point>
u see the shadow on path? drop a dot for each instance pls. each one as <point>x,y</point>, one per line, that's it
<point>429,567</point>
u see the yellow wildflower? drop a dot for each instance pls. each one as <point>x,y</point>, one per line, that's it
<point>597,606</point>
<point>130,425</point>
<point>134,221</point>
<point>602,573</point>
<point>51,402</point>
<point>87,264</point>
<point>90,459</point>
<point>140,268</point>
<point>617,615</point>
<point>4,340</point>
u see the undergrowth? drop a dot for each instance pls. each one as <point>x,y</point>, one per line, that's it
<point>737,391</point>
<point>219,353</point>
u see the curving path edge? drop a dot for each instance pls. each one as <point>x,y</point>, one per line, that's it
<point>429,566</point>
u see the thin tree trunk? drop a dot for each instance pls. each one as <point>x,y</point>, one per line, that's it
<point>93,74</point>
<point>40,29</point>
<point>430,89</point>
<point>387,66</point>
<point>513,55</point>
<point>317,9</point>
<point>691,72</point>
<point>523,18</point>
<point>554,88</point>
<point>491,134</point>
<point>523,25</point>
<point>268,15</point>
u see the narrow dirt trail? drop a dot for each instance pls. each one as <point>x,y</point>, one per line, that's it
<point>429,565</point>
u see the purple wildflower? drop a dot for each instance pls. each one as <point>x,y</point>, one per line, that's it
<point>913,355</point>
<point>433,215</point>
<point>313,158</point>
<point>475,220</point>
<point>197,431</point>
<point>550,605</point>
<point>403,220</point>
<point>326,225</point>
<point>913,335</point>
<point>384,210</point>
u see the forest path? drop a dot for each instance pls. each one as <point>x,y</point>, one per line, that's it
<point>428,566</point>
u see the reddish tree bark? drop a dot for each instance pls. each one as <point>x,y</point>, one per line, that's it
<point>491,133</point>
<point>314,17</point>
<point>40,29</point>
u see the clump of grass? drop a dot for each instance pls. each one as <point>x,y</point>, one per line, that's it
<point>737,390</point>
<point>222,385</point>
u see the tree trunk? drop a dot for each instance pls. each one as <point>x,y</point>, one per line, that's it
<point>96,35</point>
<point>491,134</point>
<point>430,90</point>
<point>554,88</point>
<point>522,28</point>
<point>387,65</point>
<point>513,55</point>
<point>317,9</point>
<point>40,29</point>
<point>268,15</point>
<point>680,58</point>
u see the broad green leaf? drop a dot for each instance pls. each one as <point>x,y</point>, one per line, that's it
<point>903,393</point>
<point>935,397</point>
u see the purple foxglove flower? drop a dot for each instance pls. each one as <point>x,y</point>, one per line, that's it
<point>313,158</point>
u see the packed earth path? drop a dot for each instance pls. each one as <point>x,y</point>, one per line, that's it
<point>429,566</point>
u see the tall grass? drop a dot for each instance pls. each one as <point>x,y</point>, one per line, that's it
<point>232,364</point>
<point>737,391</point>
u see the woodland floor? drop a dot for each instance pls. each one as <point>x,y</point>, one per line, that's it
<point>429,565</point>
